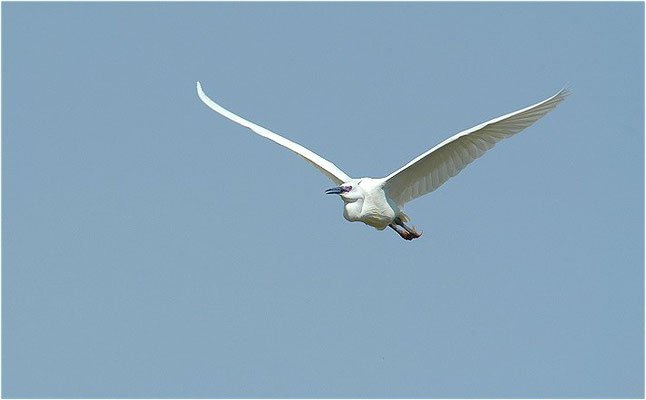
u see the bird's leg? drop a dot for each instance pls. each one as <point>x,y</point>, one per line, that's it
<point>402,232</point>
<point>411,231</point>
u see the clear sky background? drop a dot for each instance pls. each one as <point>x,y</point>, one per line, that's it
<point>152,248</point>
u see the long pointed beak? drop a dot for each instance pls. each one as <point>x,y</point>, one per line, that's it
<point>335,190</point>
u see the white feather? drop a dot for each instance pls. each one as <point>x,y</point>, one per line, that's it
<point>379,202</point>
<point>431,169</point>
<point>329,169</point>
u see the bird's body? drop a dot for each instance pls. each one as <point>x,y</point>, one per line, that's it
<point>379,202</point>
<point>371,205</point>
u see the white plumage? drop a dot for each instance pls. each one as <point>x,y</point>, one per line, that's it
<point>379,202</point>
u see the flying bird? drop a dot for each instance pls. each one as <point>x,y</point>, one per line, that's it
<point>379,202</point>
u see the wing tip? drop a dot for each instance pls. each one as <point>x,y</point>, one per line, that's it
<point>565,91</point>
<point>559,96</point>
<point>205,99</point>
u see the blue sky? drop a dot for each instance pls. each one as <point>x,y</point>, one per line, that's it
<point>152,248</point>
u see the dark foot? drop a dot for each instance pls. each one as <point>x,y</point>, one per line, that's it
<point>414,234</point>
<point>410,233</point>
<point>405,233</point>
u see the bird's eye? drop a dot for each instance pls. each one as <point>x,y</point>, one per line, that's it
<point>347,188</point>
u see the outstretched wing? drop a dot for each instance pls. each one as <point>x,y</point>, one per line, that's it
<point>329,169</point>
<point>430,170</point>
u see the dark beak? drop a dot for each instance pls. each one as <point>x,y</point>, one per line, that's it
<point>335,190</point>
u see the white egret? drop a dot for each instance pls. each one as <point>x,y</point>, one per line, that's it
<point>379,202</point>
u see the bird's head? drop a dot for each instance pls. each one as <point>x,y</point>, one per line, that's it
<point>349,191</point>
